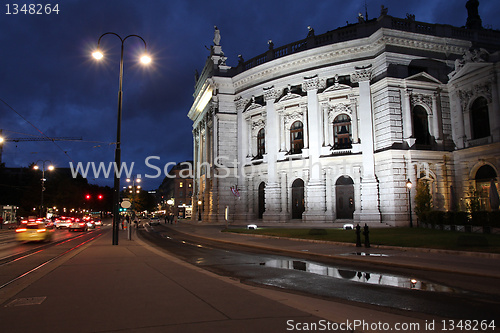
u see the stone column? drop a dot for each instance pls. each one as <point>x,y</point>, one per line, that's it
<point>435,119</point>
<point>326,126</point>
<point>494,106</point>
<point>315,187</point>
<point>330,197</point>
<point>354,119</point>
<point>370,211</point>
<point>282,133</point>
<point>284,196</point>
<point>273,189</point>
<point>457,119</point>
<point>407,119</point>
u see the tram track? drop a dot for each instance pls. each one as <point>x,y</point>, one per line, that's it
<point>18,267</point>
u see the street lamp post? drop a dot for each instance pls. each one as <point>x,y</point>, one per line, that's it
<point>50,168</point>
<point>116,195</point>
<point>199,210</point>
<point>132,189</point>
<point>408,186</point>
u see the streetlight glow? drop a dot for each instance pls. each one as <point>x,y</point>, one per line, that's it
<point>97,55</point>
<point>145,59</point>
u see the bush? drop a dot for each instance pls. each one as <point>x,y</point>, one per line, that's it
<point>435,217</point>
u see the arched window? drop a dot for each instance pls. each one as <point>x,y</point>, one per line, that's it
<point>342,132</point>
<point>480,120</point>
<point>421,126</point>
<point>485,178</point>
<point>296,137</point>
<point>261,143</point>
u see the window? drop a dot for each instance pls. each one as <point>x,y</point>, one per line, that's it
<point>190,185</point>
<point>421,126</point>
<point>480,121</point>
<point>261,143</point>
<point>342,132</point>
<point>181,184</point>
<point>296,138</point>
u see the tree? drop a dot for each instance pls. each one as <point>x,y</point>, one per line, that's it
<point>423,199</point>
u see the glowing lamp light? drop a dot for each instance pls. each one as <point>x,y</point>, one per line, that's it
<point>145,59</point>
<point>97,55</point>
<point>51,167</point>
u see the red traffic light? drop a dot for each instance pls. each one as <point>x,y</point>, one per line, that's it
<point>87,197</point>
<point>100,196</point>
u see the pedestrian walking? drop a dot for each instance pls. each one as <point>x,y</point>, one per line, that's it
<point>366,234</point>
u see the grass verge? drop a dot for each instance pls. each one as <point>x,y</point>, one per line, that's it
<point>404,237</point>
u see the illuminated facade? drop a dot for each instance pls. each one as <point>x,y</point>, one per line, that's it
<point>330,128</point>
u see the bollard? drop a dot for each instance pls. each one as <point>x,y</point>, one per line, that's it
<point>367,238</point>
<point>358,236</point>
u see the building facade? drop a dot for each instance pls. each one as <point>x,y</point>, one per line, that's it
<point>175,193</point>
<point>331,128</point>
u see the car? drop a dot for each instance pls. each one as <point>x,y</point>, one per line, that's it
<point>78,225</point>
<point>90,224</point>
<point>33,231</point>
<point>63,222</point>
<point>154,221</point>
<point>97,222</point>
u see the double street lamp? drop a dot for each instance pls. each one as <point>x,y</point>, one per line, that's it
<point>145,59</point>
<point>50,167</point>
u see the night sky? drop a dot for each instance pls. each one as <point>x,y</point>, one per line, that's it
<point>47,74</point>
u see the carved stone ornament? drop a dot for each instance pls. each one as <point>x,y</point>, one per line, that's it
<point>477,90</point>
<point>337,109</point>
<point>240,103</point>
<point>421,99</point>
<point>313,83</point>
<point>258,124</point>
<point>292,117</point>
<point>362,74</point>
<point>270,94</point>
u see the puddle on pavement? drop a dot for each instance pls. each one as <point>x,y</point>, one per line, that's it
<point>359,276</point>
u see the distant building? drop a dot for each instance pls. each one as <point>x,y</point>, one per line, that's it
<point>178,187</point>
<point>331,127</point>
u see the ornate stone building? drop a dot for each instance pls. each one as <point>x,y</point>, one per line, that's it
<point>330,128</point>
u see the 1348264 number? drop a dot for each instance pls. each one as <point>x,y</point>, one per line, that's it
<point>32,9</point>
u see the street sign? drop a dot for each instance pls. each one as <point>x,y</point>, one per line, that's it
<point>126,204</point>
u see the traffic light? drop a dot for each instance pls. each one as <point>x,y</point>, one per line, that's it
<point>100,197</point>
<point>87,197</point>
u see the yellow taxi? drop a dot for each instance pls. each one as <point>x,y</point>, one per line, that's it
<point>33,231</point>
